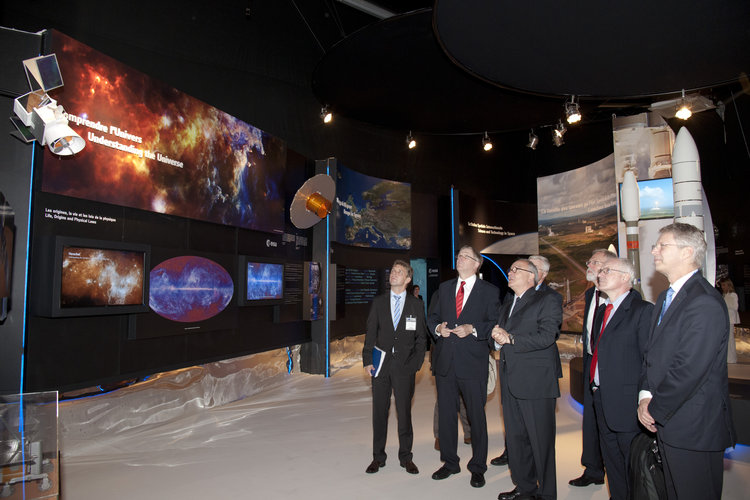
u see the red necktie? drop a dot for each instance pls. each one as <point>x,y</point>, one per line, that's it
<point>460,299</point>
<point>595,356</point>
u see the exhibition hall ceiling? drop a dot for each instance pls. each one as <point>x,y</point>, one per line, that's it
<point>466,66</point>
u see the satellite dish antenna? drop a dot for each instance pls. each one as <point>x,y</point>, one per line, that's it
<point>313,201</point>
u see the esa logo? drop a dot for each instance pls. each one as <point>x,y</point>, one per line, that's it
<point>270,243</point>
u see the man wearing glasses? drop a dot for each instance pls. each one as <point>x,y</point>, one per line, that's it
<point>527,328</point>
<point>591,456</point>
<point>684,395</point>
<point>461,316</point>
<point>621,333</point>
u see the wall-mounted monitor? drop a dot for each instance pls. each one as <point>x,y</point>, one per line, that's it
<point>656,198</point>
<point>95,277</point>
<point>261,281</point>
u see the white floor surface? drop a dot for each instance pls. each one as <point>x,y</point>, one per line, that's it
<point>311,438</point>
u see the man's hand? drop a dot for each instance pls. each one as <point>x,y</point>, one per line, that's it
<point>500,335</point>
<point>644,416</point>
<point>443,330</point>
<point>369,369</point>
<point>463,331</point>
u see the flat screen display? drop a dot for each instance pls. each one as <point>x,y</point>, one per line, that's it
<point>264,281</point>
<point>95,277</point>
<point>656,198</point>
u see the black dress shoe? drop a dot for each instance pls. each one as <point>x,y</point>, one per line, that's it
<point>477,480</point>
<point>410,467</point>
<point>585,480</point>
<point>501,460</point>
<point>515,495</point>
<point>444,472</point>
<point>374,466</point>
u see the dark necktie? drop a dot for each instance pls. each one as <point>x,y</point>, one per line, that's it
<point>460,299</point>
<point>595,356</point>
<point>597,295</point>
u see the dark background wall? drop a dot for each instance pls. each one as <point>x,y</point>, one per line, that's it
<point>258,69</point>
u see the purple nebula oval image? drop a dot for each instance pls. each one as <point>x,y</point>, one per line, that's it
<point>189,289</point>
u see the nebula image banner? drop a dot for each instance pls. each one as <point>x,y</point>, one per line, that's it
<point>150,146</point>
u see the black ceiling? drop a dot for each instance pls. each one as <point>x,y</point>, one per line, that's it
<point>473,66</point>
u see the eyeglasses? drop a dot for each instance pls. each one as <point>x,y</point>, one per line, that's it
<point>661,245</point>
<point>607,270</point>
<point>464,256</point>
<point>515,269</point>
<point>592,261</point>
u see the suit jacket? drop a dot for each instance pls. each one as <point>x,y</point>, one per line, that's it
<point>468,356</point>
<point>621,349</point>
<point>543,288</point>
<point>685,369</point>
<point>530,364</point>
<point>585,334</point>
<point>404,348</point>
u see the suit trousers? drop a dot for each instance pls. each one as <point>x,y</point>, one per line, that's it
<point>692,475</point>
<point>402,387</point>
<point>591,456</point>
<point>530,438</point>
<point>474,392</point>
<point>615,450</point>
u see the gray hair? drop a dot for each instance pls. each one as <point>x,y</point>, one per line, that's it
<point>607,253</point>
<point>687,235</point>
<point>533,269</point>
<point>626,266</point>
<point>477,255</point>
<point>543,261</point>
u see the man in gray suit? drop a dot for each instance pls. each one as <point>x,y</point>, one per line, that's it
<point>395,325</point>
<point>528,326</point>
<point>684,395</point>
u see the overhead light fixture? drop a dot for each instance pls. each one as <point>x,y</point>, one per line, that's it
<point>410,141</point>
<point>572,111</point>
<point>486,142</point>
<point>533,140</point>
<point>683,108</point>
<point>38,116</point>
<point>557,134</point>
<point>326,115</point>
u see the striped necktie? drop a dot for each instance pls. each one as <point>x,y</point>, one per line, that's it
<point>396,311</point>
<point>665,306</point>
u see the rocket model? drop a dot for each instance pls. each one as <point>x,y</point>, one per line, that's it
<point>631,211</point>
<point>686,180</point>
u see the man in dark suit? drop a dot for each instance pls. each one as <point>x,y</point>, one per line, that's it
<point>462,314</point>
<point>591,456</point>
<point>526,333</point>
<point>684,394</point>
<point>396,325</point>
<point>542,266</point>
<point>624,322</point>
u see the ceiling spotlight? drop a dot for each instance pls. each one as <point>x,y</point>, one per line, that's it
<point>486,142</point>
<point>683,108</point>
<point>572,111</point>
<point>326,115</point>
<point>558,133</point>
<point>533,140</point>
<point>411,141</point>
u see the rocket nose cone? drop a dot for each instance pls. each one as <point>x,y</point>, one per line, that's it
<point>684,147</point>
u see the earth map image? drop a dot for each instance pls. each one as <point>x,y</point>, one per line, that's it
<point>375,212</point>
